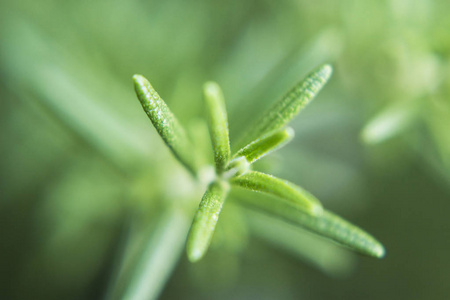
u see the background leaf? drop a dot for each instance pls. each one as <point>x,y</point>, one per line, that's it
<point>158,258</point>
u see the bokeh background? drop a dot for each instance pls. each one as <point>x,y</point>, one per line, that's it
<point>94,206</point>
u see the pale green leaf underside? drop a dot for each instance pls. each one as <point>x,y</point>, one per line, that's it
<point>283,111</point>
<point>205,220</point>
<point>165,122</point>
<point>327,224</point>
<point>264,183</point>
<point>218,124</point>
<point>266,144</point>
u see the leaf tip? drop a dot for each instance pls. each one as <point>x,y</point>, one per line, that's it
<point>379,251</point>
<point>326,71</point>
<point>195,248</point>
<point>194,254</point>
<point>139,79</point>
<point>316,209</point>
<point>367,136</point>
<point>211,89</point>
<point>290,133</point>
<point>141,86</point>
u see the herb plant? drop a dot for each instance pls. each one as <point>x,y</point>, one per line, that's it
<point>95,205</point>
<point>287,201</point>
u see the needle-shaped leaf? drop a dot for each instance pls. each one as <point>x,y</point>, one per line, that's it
<point>392,121</point>
<point>165,122</point>
<point>327,224</point>
<point>159,257</point>
<point>68,91</point>
<point>218,124</point>
<point>266,144</point>
<point>331,258</point>
<point>205,220</point>
<point>283,111</point>
<point>264,183</point>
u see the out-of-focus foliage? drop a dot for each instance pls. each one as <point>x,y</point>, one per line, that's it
<point>82,173</point>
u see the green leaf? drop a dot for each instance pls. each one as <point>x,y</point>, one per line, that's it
<point>159,258</point>
<point>54,91</point>
<point>392,121</point>
<point>205,220</point>
<point>264,183</point>
<point>266,144</point>
<point>331,258</point>
<point>283,111</point>
<point>327,224</point>
<point>165,123</point>
<point>218,124</point>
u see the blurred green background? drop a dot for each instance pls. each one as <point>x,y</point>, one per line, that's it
<point>88,189</point>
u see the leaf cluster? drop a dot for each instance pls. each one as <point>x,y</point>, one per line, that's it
<point>269,133</point>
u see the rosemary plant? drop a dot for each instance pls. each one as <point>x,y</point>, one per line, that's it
<point>233,171</point>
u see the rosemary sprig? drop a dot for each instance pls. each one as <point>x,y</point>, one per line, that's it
<point>293,204</point>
